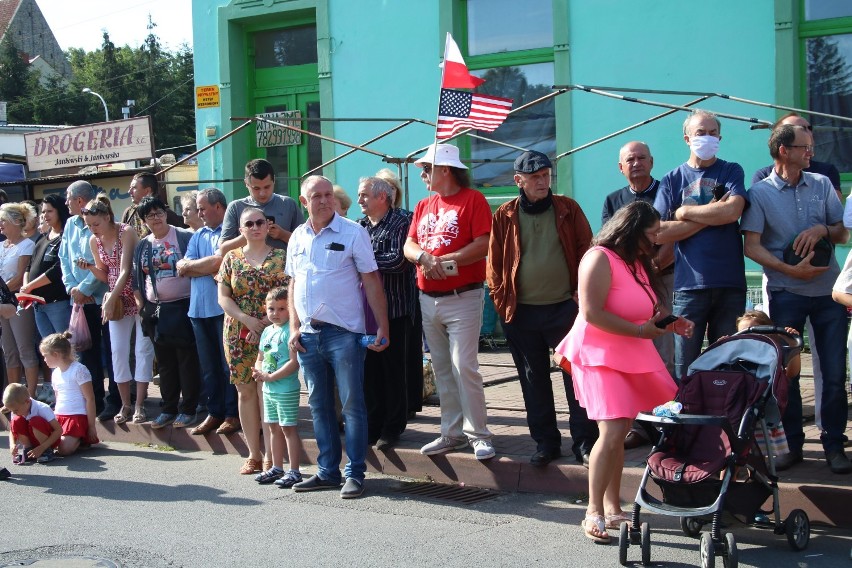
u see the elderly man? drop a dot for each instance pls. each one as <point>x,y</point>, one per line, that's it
<point>635,163</point>
<point>141,186</point>
<point>537,241</point>
<point>385,373</point>
<point>793,215</point>
<point>87,292</point>
<point>329,259</point>
<point>700,202</point>
<point>448,240</point>
<point>281,211</point>
<point>201,262</point>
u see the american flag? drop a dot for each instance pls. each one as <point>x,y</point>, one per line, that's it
<point>459,110</point>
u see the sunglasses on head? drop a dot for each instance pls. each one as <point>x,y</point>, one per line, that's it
<point>257,223</point>
<point>94,209</point>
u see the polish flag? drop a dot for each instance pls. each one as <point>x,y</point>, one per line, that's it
<point>456,75</point>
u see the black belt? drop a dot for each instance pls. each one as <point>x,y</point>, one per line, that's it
<point>459,290</point>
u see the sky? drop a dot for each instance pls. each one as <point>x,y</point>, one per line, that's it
<point>80,23</point>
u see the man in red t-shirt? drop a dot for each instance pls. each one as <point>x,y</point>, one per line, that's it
<point>448,240</point>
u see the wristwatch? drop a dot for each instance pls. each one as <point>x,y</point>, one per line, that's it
<point>419,256</point>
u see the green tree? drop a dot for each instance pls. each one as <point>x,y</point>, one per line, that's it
<point>15,83</point>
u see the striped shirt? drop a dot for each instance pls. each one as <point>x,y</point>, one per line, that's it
<point>398,275</point>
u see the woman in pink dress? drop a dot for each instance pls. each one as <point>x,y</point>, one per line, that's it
<point>616,370</point>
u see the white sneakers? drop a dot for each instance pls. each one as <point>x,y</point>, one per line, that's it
<point>482,449</point>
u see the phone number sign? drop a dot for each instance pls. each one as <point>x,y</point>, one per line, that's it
<point>269,135</point>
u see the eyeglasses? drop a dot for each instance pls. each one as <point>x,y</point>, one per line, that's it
<point>427,169</point>
<point>808,148</point>
<point>159,214</point>
<point>258,223</point>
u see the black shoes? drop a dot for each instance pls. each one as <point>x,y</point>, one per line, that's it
<point>543,457</point>
<point>385,443</point>
<point>585,460</point>
<point>788,460</point>
<point>838,462</point>
<point>352,489</point>
<point>108,413</point>
<point>314,483</point>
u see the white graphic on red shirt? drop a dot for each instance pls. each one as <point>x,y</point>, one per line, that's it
<point>436,231</point>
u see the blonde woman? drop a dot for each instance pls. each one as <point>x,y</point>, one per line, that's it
<point>18,331</point>
<point>113,245</point>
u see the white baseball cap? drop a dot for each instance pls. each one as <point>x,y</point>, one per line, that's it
<point>441,155</point>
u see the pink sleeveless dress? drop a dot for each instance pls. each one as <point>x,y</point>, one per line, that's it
<point>112,260</point>
<point>616,376</point>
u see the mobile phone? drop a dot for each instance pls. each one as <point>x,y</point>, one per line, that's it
<point>244,331</point>
<point>719,192</point>
<point>663,323</point>
<point>451,267</point>
<point>271,219</point>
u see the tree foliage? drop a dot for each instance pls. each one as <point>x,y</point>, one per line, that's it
<point>159,81</point>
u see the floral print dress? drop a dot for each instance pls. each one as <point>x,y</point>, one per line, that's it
<point>112,260</point>
<point>249,286</point>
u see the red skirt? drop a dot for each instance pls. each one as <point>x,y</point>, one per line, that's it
<point>76,426</point>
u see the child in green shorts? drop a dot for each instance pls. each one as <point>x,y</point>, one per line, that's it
<point>278,369</point>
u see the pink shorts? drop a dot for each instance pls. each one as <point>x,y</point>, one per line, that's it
<point>76,426</point>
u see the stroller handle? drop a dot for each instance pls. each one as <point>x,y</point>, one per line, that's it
<point>774,329</point>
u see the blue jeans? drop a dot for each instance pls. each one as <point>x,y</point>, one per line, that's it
<point>53,317</point>
<point>221,394</point>
<point>829,323</point>
<point>714,311</point>
<point>335,355</point>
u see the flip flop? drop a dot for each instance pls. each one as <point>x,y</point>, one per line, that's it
<point>614,521</point>
<point>599,524</point>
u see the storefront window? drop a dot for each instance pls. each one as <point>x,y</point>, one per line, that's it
<point>285,47</point>
<point>495,26</point>
<point>825,9</point>
<point>533,128</point>
<point>829,81</point>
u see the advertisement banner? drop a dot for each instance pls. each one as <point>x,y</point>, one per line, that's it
<point>91,144</point>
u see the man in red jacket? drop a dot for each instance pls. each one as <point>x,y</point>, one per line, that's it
<point>537,241</point>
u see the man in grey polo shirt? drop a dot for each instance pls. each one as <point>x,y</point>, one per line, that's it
<point>794,208</point>
<point>282,211</point>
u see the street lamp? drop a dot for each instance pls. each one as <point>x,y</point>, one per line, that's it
<point>91,92</point>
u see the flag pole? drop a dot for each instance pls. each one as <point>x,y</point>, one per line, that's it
<point>441,88</point>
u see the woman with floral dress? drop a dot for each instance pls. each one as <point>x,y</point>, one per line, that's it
<point>246,275</point>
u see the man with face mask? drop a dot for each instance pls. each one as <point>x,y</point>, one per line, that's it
<point>537,241</point>
<point>700,202</point>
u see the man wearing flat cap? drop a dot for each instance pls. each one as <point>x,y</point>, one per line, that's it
<point>537,241</point>
<point>448,240</point>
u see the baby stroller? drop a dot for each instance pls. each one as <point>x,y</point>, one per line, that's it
<point>706,460</point>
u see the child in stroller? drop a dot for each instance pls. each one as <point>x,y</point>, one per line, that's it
<point>706,459</point>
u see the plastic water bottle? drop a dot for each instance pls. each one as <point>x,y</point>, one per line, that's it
<point>669,409</point>
<point>22,453</point>
<point>371,340</point>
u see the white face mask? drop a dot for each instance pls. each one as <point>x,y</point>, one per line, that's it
<point>705,147</point>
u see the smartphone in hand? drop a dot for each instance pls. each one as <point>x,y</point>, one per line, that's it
<point>663,323</point>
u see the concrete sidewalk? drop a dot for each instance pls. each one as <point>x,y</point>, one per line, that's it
<point>811,486</point>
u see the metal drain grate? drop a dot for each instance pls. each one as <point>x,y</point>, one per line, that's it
<point>452,493</point>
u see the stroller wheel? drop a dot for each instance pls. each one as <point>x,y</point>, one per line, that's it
<point>798,529</point>
<point>646,544</point>
<point>731,558</point>
<point>623,543</point>
<point>707,550</point>
<point>691,526</point>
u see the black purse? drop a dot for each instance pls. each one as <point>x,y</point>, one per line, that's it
<point>166,323</point>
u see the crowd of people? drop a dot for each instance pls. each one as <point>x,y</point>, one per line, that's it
<point>233,307</point>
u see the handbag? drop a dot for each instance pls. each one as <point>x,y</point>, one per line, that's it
<point>166,323</point>
<point>117,312</point>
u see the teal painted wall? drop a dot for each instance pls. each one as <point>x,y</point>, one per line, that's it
<point>384,57</point>
<point>728,48</point>
<point>385,66</point>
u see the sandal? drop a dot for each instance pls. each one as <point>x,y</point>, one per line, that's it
<point>267,465</point>
<point>140,416</point>
<point>269,476</point>
<point>597,531</point>
<point>614,521</point>
<point>123,415</point>
<point>250,466</point>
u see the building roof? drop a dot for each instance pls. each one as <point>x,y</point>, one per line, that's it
<point>8,8</point>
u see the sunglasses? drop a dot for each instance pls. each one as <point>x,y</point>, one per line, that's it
<point>427,169</point>
<point>251,224</point>
<point>94,209</point>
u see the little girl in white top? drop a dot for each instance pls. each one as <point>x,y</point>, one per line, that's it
<point>75,398</point>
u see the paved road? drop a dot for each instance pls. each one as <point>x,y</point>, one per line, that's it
<point>141,506</point>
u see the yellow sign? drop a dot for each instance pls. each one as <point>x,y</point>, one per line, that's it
<point>207,96</point>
